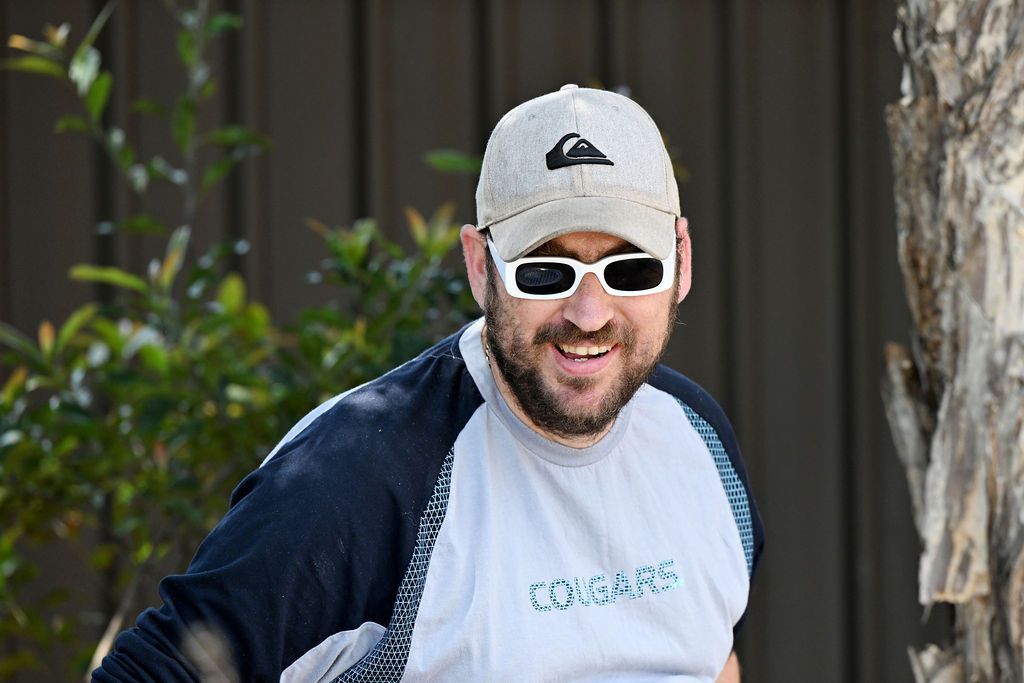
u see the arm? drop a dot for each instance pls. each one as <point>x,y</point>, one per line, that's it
<point>731,672</point>
<point>300,555</point>
<point>316,540</point>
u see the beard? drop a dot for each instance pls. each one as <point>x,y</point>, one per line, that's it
<point>519,361</point>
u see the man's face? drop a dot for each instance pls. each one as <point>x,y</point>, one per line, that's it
<point>543,349</point>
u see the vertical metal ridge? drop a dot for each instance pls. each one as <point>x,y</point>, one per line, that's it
<point>248,199</point>
<point>484,63</point>
<point>254,202</point>
<point>361,108</point>
<point>126,87</point>
<point>604,44</point>
<point>724,20</point>
<point>104,174</point>
<point>233,227</point>
<point>737,269</point>
<point>5,183</point>
<point>842,17</point>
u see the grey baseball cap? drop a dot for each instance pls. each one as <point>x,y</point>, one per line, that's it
<point>577,160</point>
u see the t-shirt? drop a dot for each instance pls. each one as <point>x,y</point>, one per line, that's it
<point>414,529</point>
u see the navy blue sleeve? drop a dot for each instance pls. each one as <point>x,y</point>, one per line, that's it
<point>316,541</point>
<point>701,402</point>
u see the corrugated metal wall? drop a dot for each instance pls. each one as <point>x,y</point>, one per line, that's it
<point>774,108</point>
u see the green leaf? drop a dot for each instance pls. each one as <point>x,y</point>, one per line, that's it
<point>85,67</point>
<point>35,65</point>
<point>231,294</point>
<point>126,157</point>
<point>111,334</point>
<point>98,95</point>
<point>103,556</point>
<point>143,552</point>
<point>215,172</point>
<point>17,341</point>
<point>184,123</point>
<point>258,318</point>
<point>225,21</point>
<point>46,338</point>
<point>141,223</point>
<point>108,275</point>
<point>208,90</point>
<point>71,123</point>
<point>145,105</point>
<point>417,226</point>
<point>186,48</point>
<point>13,384</point>
<point>231,136</point>
<point>73,325</point>
<point>47,50</point>
<point>175,256</point>
<point>444,234</point>
<point>453,161</point>
<point>155,358</point>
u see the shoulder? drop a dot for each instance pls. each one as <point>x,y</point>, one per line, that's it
<point>697,399</point>
<point>714,428</point>
<point>337,504</point>
<point>403,421</point>
<point>316,540</point>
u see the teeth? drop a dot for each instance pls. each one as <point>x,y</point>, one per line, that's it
<point>584,350</point>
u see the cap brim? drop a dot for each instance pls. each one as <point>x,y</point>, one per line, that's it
<point>651,230</point>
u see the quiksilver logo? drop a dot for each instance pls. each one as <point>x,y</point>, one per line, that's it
<point>583,152</point>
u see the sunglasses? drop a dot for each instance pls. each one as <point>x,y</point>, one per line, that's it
<point>556,277</point>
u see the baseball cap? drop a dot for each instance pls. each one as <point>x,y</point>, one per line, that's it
<point>576,160</point>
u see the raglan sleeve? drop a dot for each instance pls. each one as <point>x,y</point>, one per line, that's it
<point>715,428</point>
<point>287,566</point>
<point>748,516</point>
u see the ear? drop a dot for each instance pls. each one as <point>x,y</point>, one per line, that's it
<point>685,258</point>
<point>474,249</point>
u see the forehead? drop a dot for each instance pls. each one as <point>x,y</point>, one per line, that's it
<point>585,246</point>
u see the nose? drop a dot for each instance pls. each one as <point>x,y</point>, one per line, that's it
<point>590,307</point>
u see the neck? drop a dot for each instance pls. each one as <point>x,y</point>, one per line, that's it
<point>583,441</point>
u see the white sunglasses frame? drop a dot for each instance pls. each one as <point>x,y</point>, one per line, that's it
<point>507,271</point>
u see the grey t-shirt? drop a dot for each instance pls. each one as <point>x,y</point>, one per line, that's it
<point>415,529</point>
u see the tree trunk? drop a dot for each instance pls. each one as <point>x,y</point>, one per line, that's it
<point>955,400</point>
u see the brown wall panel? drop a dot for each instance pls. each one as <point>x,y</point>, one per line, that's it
<point>791,407</point>
<point>5,229</point>
<point>156,73</point>
<point>776,112</point>
<point>436,104</point>
<point>539,46</point>
<point>422,98</point>
<point>49,221</point>
<point>306,91</point>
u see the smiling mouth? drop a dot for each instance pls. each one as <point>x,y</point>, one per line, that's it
<point>582,354</point>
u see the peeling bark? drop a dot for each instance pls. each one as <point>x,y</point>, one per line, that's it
<point>955,400</point>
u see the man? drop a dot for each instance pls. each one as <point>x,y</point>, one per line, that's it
<point>533,498</point>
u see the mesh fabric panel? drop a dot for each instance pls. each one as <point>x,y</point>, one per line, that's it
<point>734,489</point>
<point>387,660</point>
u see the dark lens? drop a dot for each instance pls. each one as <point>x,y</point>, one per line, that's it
<point>544,278</point>
<point>634,275</point>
